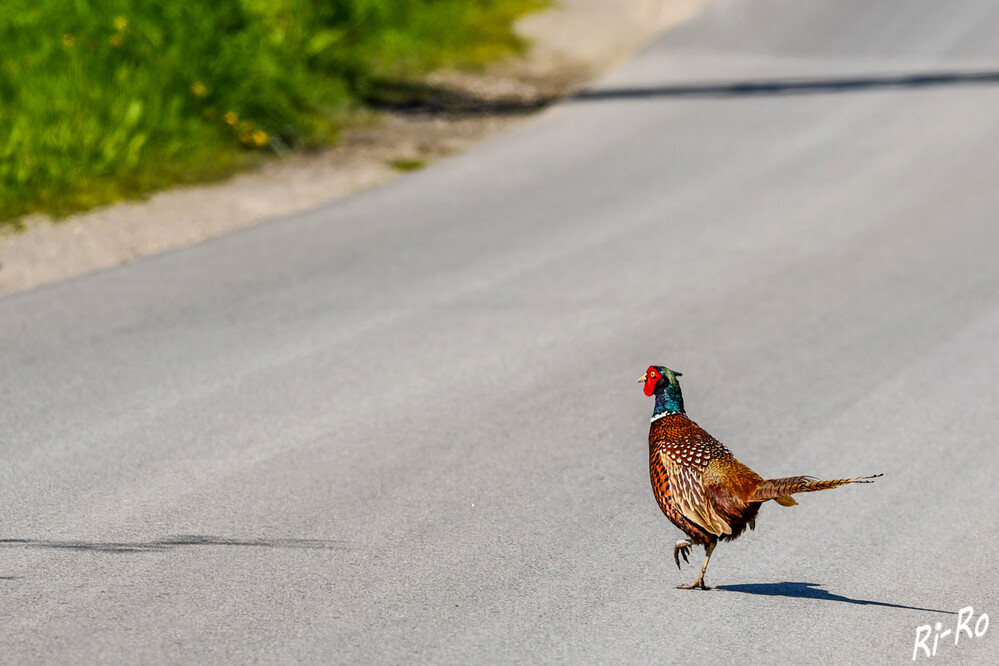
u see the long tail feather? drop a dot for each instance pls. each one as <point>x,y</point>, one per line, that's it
<point>781,489</point>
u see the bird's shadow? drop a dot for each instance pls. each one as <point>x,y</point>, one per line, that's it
<point>813,591</point>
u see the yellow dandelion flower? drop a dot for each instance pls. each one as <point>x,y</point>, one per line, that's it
<point>231,117</point>
<point>260,138</point>
<point>199,89</point>
<point>115,40</point>
<point>120,23</point>
<point>68,40</point>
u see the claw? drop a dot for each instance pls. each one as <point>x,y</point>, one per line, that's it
<point>699,583</point>
<point>681,548</point>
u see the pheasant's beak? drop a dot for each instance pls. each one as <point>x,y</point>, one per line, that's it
<point>642,379</point>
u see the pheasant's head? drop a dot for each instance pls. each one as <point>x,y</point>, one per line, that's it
<point>659,377</point>
<point>662,383</point>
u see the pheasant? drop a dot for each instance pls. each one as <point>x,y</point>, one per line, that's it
<point>699,484</point>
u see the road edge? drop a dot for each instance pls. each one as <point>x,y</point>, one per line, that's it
<point>571,44</point>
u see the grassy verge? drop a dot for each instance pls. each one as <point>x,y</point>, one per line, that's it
<point>106,99</point>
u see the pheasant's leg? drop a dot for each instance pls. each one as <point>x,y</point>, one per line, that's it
<point>681,548</point>
<point>699,583</point>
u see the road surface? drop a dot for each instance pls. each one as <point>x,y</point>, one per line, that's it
<point>405,428</point>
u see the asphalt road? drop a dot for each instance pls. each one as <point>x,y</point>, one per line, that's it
<point>405,428</point>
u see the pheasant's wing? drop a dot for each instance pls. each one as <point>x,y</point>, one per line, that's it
<point>729,485</point>
<point>693,497</point>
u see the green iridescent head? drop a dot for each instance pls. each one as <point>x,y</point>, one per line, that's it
<point>662,382</point>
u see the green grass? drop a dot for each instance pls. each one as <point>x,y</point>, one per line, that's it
<point>408,165</point>
<point>107,99</point>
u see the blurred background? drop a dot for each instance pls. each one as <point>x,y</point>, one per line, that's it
<point>105,99</point>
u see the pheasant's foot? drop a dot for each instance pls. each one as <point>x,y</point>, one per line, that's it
<point>681,548</point>
<point>699,583</point>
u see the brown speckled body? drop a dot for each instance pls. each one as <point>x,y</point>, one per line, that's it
<point>708,482</point>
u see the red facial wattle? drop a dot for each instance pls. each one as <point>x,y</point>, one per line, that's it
<point>652,378</point>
